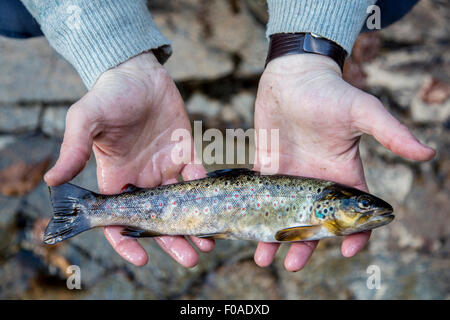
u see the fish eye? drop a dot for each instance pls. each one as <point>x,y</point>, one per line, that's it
<point>364,202</point>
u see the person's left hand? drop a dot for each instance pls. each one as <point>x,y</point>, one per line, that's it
<point>321,118</point>
<point>128,118</point>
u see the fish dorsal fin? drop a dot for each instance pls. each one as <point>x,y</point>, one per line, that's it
<point>139,233</point>
<point>130,188</point>
<point>229,172</point>
<point>297,233</point>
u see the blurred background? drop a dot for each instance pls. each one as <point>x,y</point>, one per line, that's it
<point>219,51</point>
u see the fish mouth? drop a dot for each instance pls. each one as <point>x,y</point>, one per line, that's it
<point>382,219</point>
<point>377,218</point>
<point>383,212</point>
<point>380,212</point>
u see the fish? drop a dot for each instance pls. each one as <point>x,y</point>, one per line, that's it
<point>227,204</point>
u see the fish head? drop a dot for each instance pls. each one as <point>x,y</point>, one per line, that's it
<point>344,210</point>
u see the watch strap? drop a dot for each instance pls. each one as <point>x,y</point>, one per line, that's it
<point>282,44</point>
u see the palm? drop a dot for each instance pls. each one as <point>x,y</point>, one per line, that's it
<point>136,145</point>
<point>319,140</point>
<point>320,119</point>
<point>128,118</point>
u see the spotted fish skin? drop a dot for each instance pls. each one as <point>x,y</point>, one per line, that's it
<point>233,204</point>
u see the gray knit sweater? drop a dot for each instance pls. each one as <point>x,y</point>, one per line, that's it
<point>96,35</point>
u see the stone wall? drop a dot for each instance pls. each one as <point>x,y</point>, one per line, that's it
<point>219,49</point>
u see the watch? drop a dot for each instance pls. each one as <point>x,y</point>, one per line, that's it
<point>282,44</point>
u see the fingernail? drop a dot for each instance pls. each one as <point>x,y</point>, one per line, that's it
<point>292,264</point>
<point>137,257</point>
<point>47,176</point>
<point>349,251</point>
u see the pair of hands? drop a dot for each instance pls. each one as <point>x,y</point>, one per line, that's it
<point>128,117</point>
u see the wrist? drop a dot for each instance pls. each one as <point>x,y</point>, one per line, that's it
<point>302,63</point>
<point>140,62</point>
<point>338,21</point>
<point>142,70</point>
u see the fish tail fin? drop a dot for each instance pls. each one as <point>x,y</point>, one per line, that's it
<point>69,213</point>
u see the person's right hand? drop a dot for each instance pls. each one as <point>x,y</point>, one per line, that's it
<point>128,118</point>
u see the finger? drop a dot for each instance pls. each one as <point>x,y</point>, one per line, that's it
<point>204,245</point>
<point>193,171</point>
<point>169,181</point>
<point>353,243</point>
<point>265,253</point>
<point>370,116</point>
<point>128,248</point>
<point>179,249</point>
<point>75,149</point>
<point>299,254</point>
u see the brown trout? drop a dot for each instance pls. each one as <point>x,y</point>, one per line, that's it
<point>228,204</point>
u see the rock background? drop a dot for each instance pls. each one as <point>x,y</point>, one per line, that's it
<point>219,49</point>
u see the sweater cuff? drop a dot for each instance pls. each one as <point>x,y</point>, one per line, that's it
<point>96,35</point>
<point>336,20</point>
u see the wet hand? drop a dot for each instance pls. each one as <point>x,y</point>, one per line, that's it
<point>321,118</point>
<point>127,118</point>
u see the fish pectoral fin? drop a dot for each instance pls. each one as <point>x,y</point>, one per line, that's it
<point>218,235</point>
<point>139,233</point>
<point>297,233</point>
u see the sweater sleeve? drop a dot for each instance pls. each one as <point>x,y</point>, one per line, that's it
<point>337,20</point>
<point>96,35</point>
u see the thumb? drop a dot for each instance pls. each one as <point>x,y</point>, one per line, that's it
<point>370,116</point>
<point>75,149</point>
